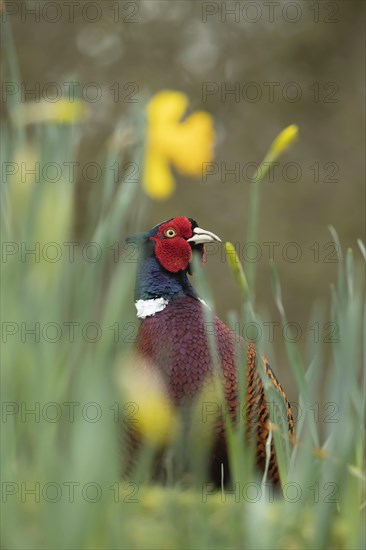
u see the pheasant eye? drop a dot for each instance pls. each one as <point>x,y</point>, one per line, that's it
<point>170,233</point>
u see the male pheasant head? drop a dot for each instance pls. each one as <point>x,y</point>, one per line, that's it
<point>166,253</point>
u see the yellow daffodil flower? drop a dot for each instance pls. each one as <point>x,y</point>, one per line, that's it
<point>61,112</point>
<point>280,144</point>
<point>284,140</point>
<point>154,415</point>
<point>186,144</point>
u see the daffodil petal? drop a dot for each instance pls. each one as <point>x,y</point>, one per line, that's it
<point>194,145</point>
<point>166,106</point>
<point>158,181</point>
<point>187,145</point>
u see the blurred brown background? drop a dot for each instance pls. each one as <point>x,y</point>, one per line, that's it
<point>305,62</point>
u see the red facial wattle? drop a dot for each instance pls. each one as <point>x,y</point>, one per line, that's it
<point>174,253</point>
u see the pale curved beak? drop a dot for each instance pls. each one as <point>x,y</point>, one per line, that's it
<point>201,236</point>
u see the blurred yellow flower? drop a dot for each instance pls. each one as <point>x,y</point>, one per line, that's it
<point>186,144</point>
<point>155,418</point>
<point>62,112</point>
<point>154,415</point>
<point>284,140</point>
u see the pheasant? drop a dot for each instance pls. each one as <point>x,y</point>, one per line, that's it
<point>173,339</point>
